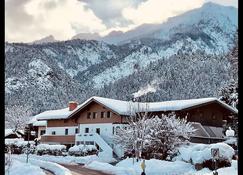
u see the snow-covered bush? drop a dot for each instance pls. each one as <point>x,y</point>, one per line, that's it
<point>8,160</point>
<point>56,150</point>
<point>200,154</point>
<point>155,136</point>
<point>19,146</point>
<point>80,150</point>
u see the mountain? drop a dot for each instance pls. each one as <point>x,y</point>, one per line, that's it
<point>47,39</point>
<point>185,57</point>
<point>210,14</point>
<point>87,36</point>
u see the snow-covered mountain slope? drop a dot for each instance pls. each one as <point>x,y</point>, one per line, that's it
<point>209,29</point>
<point>49,73</point>
<point>47,39</point>
<point>87,36</point>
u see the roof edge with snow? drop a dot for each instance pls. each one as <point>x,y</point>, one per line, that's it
<point>122,107</point>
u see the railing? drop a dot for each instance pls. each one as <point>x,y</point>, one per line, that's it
<point>94,137</point>
<point>58,138</point>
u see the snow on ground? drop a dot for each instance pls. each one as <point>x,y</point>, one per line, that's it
<point>201,152</point>
<point>67,159</point>
<point>108,168</point>
<point>158,167</point>
<point>18,168</point>
<point>53,167</point>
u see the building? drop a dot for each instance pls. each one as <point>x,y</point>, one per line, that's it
<point>95,121</point>
<point>11,134</point>
<point>35,129</point>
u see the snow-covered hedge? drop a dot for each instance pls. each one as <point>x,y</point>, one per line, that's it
<point>19,146</point>
<point>200,154</point>
<point>56,150</point>
<point>79,150</point>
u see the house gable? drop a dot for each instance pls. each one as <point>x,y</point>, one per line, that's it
<point>95,112</point>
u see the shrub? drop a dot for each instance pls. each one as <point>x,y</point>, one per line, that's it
<point>19,146</point>
<point>56,150</point>
<point>80,150</point>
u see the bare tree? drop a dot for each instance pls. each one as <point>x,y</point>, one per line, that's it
<point>16,116</point>
<point>132,135</point>
<point>152,134</point>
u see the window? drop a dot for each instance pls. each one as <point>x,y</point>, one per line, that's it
<point>102,114</point>
<point>66,131</point>
<point>53,133</point>
<point>76,130</point>
<point>86,130</point>
<point>108,114</point>
<point>117,129</point>
<point>94,115</point>
<point>88,115</point>
<point>42,132</point>
<point>89,143</point>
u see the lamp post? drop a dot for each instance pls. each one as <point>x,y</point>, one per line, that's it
<point>28,144</point>
<point>215,155</point>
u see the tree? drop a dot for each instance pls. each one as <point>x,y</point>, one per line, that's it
<point>153,134</point>
<point>16,117</point>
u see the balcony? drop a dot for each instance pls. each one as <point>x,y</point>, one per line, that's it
<point>59,139</point>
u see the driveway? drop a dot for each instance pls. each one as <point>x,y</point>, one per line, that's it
<point>81,170</point>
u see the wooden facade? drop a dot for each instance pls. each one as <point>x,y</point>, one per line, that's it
<point>209,114</point>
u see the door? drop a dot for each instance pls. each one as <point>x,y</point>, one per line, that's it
<point>98,131</point>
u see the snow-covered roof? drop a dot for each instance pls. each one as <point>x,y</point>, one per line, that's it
<point>40,123</point>
<point>10,131</point>
<point>126,107</point>
<point>55,114</point>
<point>59,113</point>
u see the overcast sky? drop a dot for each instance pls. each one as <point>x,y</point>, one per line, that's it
<point>28,20</point>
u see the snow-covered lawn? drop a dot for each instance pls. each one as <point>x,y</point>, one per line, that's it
<point>158,167</point>
<point>18,168</point>
<point>66,159</point>
<point>53,167</point>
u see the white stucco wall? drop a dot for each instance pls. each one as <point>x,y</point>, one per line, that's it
<point>106,129</point>
<point>61,130</point>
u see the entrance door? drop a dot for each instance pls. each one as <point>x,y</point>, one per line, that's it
<point>98,131</point>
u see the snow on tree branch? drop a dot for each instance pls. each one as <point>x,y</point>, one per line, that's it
<point>16,117</point>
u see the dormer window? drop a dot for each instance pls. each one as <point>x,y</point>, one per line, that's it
<point>108,115</point>
<point>102,115</point>
<point>94,115</point>
<point>53,133</point>
<point>88,115</point>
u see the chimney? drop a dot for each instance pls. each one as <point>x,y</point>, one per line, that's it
<point>72,105</point>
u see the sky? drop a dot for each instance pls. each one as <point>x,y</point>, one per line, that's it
<point>29,20</point>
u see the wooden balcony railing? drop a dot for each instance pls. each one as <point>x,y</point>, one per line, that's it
<point>62,139</point>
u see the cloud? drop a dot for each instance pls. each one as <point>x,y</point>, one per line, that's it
<point>154,11</point>
<point>110,11</point>
<point>28,20</point>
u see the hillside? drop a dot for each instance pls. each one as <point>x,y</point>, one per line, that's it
<point>182,58</point>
